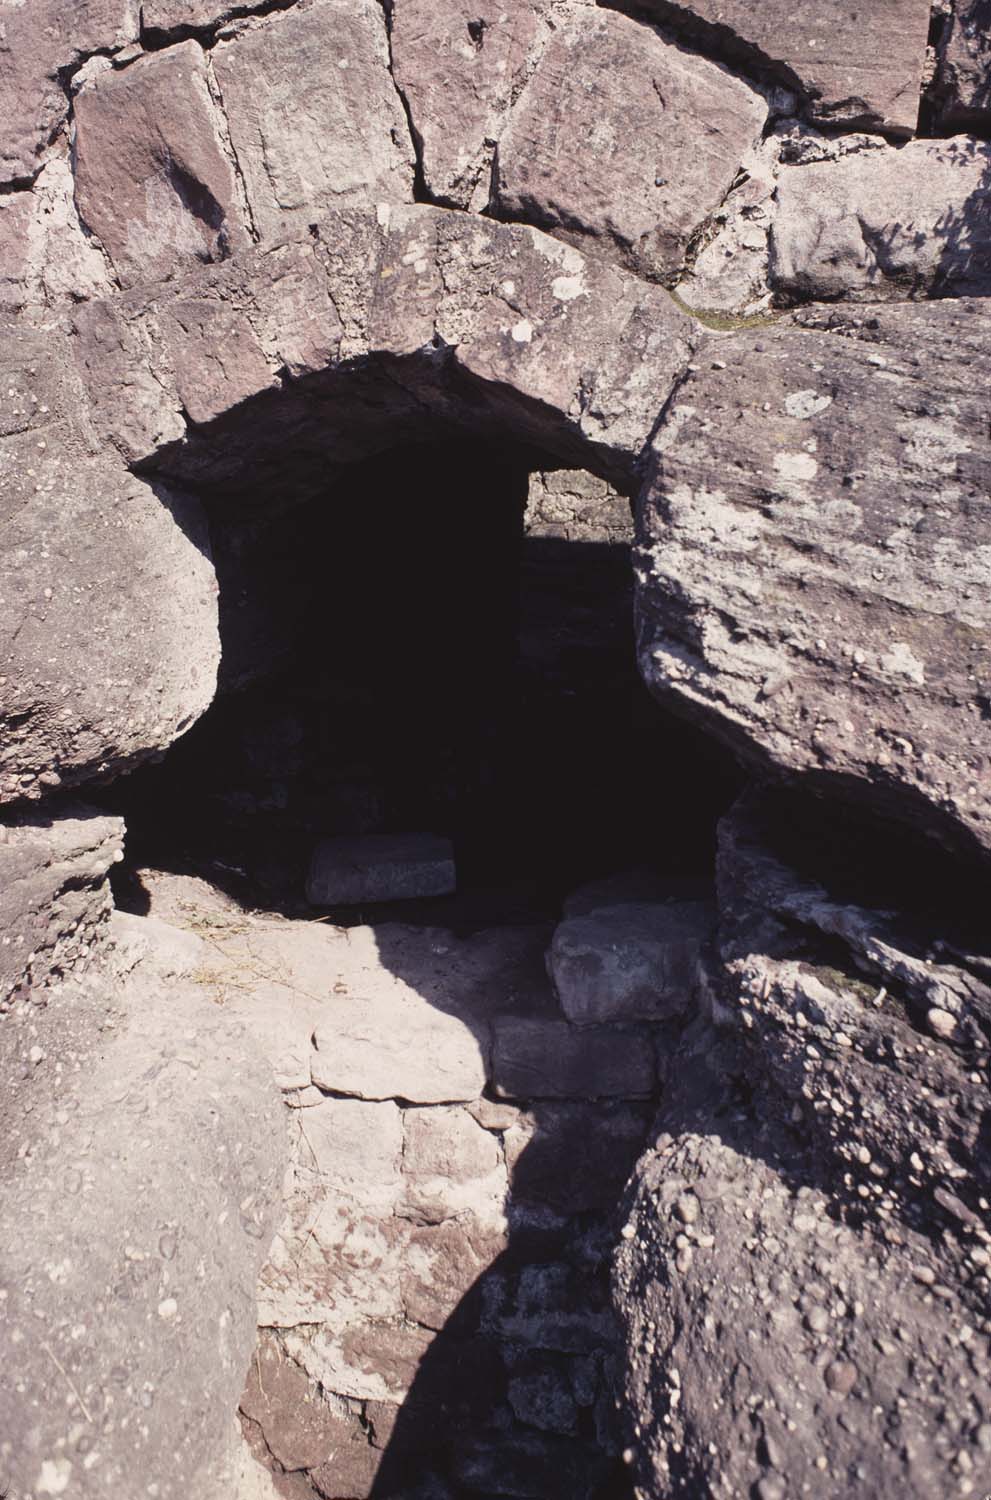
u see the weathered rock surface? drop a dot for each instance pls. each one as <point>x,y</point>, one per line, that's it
<point>602,81</point>
<point>634,962</point>
<point>818,601</point>
<point>45,258</point>
<point>392,1044</point>
<point>575,506</point>
<point>145,1153</point>
<point>910,220</point>
<point>857,72</point>
<point>108,637</point>
<point>806,1261</point>
<point>314,116</point>
<point>154,182</point>
<point>38,44</point>
<point>380,867</point>
<point>526,318</point>
<point>178,17</point>
<point>460,67</point>
<point>962,87</point>
<point>480,324</point>
<point>55,898</point>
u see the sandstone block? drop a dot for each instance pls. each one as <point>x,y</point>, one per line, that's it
<point>544,1058</point>
<point>571,350</point>
<point>154,182</point>
<point>301,1429</point>
<point>817,599</point>
<point>441,1265</point>
<point>37,42</point>
<point>575,1158</point>
<point>564,159</point>
<point>314,116</point>
<point>906,220</point>
<point>45,258</point>
<point>630,962</point>
<point>857,69</point>
<point>460,66</point>
<point>451,1167</point>
<point>389,1042</point>
<point>380,867</point>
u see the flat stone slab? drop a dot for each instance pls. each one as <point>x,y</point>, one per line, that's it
<point>388,1042</point>
<point>630,962</point>
<point>380,867</point>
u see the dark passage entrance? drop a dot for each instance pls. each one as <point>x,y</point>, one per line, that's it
<point>437,639</point>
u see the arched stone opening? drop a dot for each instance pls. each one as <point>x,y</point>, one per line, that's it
<point>436,638</point>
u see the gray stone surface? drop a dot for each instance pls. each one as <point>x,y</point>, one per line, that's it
<point>154,182</point>
<point>536,1057</point>
<point>461,66</point>
<point>55,897</point>
<point>816,598</point>
<point>37,42</point>
<point>108,636</point>
<point>144,1151</point>
<point>314,116</point>
<point>380,867</point>
<point>860,69</point>
<point>602,81</point>
<point>815,1252</point>
<point>904,221</point>
<point>633,962</point>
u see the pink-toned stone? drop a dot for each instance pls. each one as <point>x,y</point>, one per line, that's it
<point>460,65</point>
<point>314,116</point>
<point>623,142</point>
<point>154,182</point>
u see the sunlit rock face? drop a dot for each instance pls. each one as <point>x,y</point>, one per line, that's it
<point>495,438</point>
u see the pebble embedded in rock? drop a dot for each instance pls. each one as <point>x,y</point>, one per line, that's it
<point>687,1208</point>
<point>841,1377</point>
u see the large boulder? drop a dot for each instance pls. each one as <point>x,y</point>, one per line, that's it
<point>813,569</point>
<point>564,160</point>
<point>854,68</point>
<point>804,1267</point>
<point>108,622</point>
<point>910,220</point>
